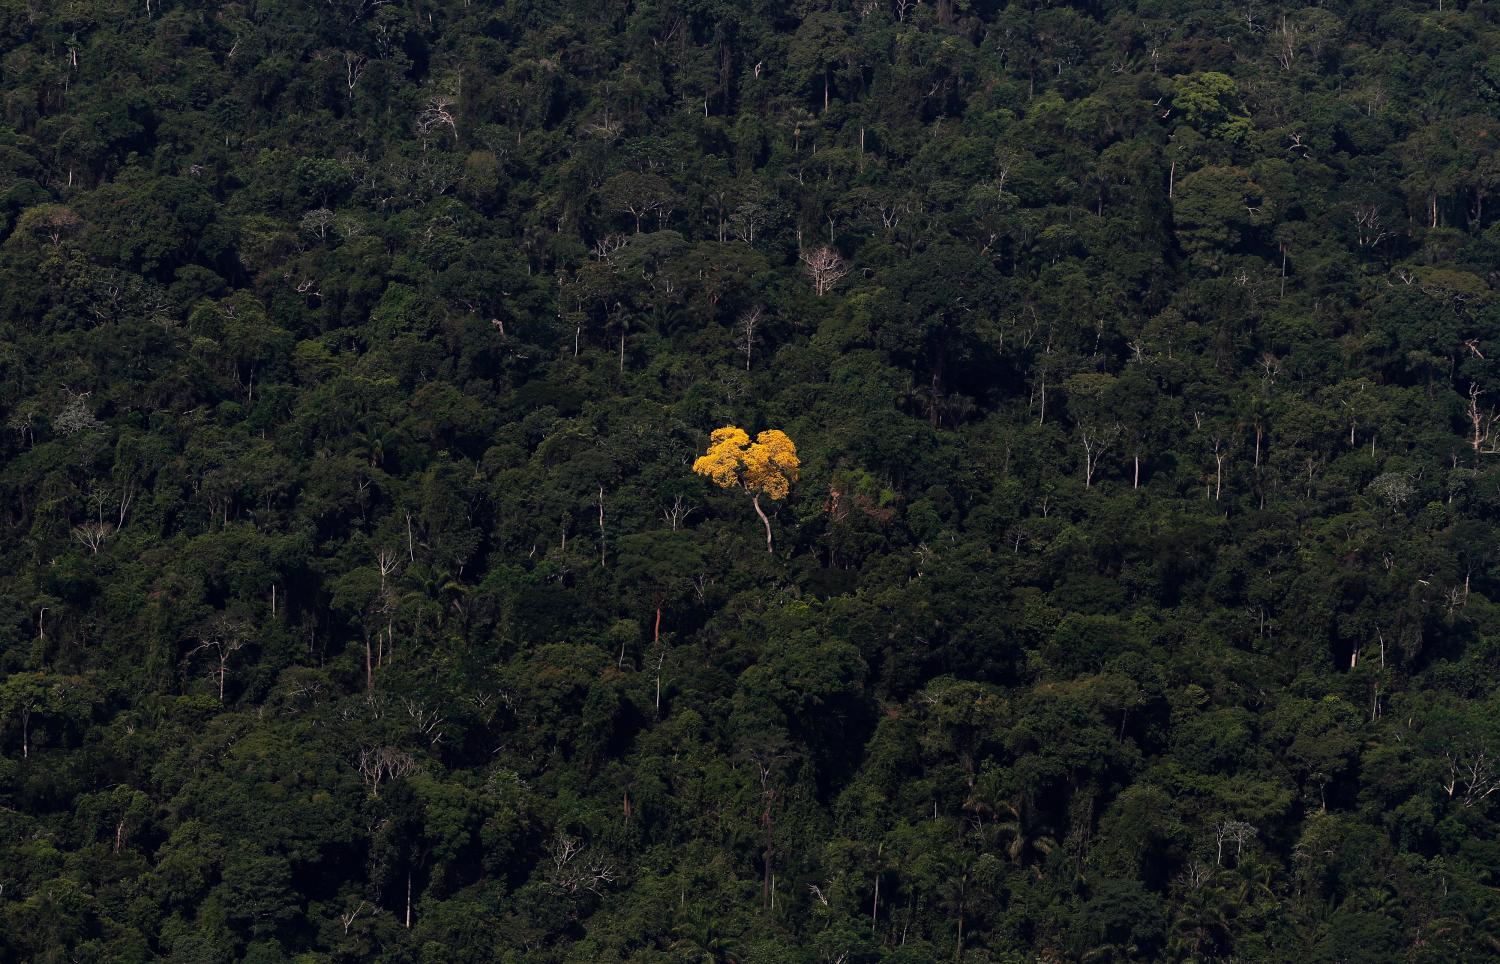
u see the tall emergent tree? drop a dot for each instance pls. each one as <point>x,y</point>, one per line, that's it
<point>768,466</point>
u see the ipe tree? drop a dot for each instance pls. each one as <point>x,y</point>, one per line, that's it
<point>768,466</point>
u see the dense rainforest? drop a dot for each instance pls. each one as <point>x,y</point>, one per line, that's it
<point>390,390</point>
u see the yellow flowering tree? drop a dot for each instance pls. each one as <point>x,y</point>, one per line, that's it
<point>765,467</point>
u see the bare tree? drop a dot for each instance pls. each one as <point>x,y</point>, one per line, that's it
<point>604,249</point>
<point>747,220</point>
<point>661,659</point>
<point>1286,43</point>
<point>1223,447</point>
<point>1236,831</point>
<point>380,764</point>
<point>93,535</point>
<point>318,222</point>
<point>437,114</point>
<point>350,916</point>
<point>388,561</point>
<point>75,416</point>
<point>1392,488</point>
<point>765,769</point>
<point>1096,440</point>
<point>677,513</point>
<point>223,636</point>
<point>427,723</point>
<point>1195,874</point>
<point>1483,439</point>
<point>826,267</point>
<point>1369,224</point>
<point>1471,776</point>
<point>640,195</point>
<point>576,868</point>
<point>354,69</point>
<point>23,421</point>
<point>749,321</point>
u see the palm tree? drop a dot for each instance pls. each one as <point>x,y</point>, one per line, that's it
<point>952,894</point>
<point>1202,924</point>
<point>1029,842</point>
<point>701,941</point>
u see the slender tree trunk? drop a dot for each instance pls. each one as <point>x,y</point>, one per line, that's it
<point>770,852</point>
<point>1137,482</point>
<point>763,518</point>
<point>408,900</point>
<point>25,733</point>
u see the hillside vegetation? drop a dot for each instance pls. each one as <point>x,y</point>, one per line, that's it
<point>1118,382</point>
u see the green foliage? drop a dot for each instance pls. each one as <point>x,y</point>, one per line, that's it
<point>1135,600</point>
<point>1211,103</point>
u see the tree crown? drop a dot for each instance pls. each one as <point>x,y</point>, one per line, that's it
<point>767,466</point>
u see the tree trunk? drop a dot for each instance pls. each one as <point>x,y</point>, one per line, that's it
<point>770,852</point>
<point>763,518</point>
<point>1137,483</point>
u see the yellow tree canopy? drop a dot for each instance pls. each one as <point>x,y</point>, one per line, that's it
<point>768,466</point>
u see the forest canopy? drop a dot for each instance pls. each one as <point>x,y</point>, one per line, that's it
<point>377,581</point>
